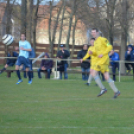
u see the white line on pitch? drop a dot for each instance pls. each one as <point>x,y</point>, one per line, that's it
<point>69,127</point>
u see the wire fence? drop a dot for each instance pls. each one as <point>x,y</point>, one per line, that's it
<point>71,69</point>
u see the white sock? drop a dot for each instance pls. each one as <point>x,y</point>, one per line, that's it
<point>90,78</point>
<point>98,81</point>
<point>112,85</point>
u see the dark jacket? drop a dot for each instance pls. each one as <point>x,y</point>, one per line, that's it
<point>114,57</point>
<point>9,61</point>
<point>129,57</point>
<point>48,64</point>
<point>64,55</point>
<point>80,55</point>
<point>32,53</point>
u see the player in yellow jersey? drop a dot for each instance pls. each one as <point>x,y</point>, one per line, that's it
<point>102,47</point>
<point>93,60</point>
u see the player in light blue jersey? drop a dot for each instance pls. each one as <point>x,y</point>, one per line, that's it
<point>24,49</point>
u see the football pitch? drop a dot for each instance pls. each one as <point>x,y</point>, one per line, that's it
<point>64,107</point>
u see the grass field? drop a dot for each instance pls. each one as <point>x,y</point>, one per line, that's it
<point>64,107</point>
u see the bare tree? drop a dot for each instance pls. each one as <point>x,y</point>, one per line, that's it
<point>23,15</point>
<point>29,20</point>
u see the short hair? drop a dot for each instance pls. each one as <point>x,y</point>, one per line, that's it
<point>92,39</point>
<point>96,29</point>
<point>23,33</point>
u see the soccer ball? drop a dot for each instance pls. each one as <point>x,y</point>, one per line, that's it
<point>7,39</point>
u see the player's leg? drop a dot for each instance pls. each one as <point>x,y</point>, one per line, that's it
<point>29,75</point>
<point>48,73</point>
<point>65,71</point>
<point>31,69</point>
<point>5,67</point>
<point>90,77</point>
<point>114,71</point>
<point>87,73</point>
<point>98,82</point>
<point>128,68</point>
<point>39,73</point>
<point>18,73</point>
<point>26,63</point>
<point>111,84</point>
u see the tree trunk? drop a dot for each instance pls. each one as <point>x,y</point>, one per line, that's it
<point>35,24</point>
<point>70,23</point>
<point>124,34</point>
<point>61,25</point>
<point>49,30</point>
<point>23,16</point>
<point>29,20</point>
<point>123,49</point>
<point>73,40</point>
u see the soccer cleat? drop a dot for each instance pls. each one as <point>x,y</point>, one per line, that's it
<point>103,91</point>
<point>116,94</point>
<point>88,84</point>
<point>30,82</point>
<point>19,81</point>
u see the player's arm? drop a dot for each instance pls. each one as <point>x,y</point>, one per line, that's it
<point>109,47</point>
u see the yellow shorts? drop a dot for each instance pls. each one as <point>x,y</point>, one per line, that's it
<point>101,68</point>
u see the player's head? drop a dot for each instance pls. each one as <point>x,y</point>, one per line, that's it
<point>46,55</point>
<point>22,37</point>
<point>85,47</point>
<point>94,32</point>
<point>130,48</point>
<point>92,41</point>
<point>112,52</point>
<point>62,46</point>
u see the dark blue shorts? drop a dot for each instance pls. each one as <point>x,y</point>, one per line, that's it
<point>11,64</point>
<point>22,60</point>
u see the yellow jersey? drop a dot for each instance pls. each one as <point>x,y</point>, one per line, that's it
<point>102,46</point>
<point>93,58</point>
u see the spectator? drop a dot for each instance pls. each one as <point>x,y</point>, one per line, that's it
<point>46,65</point>
<point>10,62</point>
<point>31,55</point>
<point>114,57</point>
<point>63,54</point>
<point>129,56</point>
<point>85,65</point>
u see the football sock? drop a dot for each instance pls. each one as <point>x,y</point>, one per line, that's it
<point>98,81</point>
<point>114,77</point>
<point>18,74</point>
<point>29,75</point>
<point>90,78</point>
<point>112,85</point>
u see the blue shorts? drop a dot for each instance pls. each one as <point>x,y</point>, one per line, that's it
<point>22,60</point>
<point>11,64</point>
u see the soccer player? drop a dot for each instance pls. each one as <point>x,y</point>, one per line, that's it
<point>85,65</point>
<point>92,62</point>
<point>24,49</point>
<point>63,54</point>
<point>114,57</point>
<point>101,50</point>
<point>10,62</point>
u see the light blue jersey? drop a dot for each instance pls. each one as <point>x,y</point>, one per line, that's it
<point>26,45</point>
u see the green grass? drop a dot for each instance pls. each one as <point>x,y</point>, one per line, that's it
<point>64,107</point>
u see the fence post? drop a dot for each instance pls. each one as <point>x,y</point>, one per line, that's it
<point>56,67</point>
<point>119,71</point>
